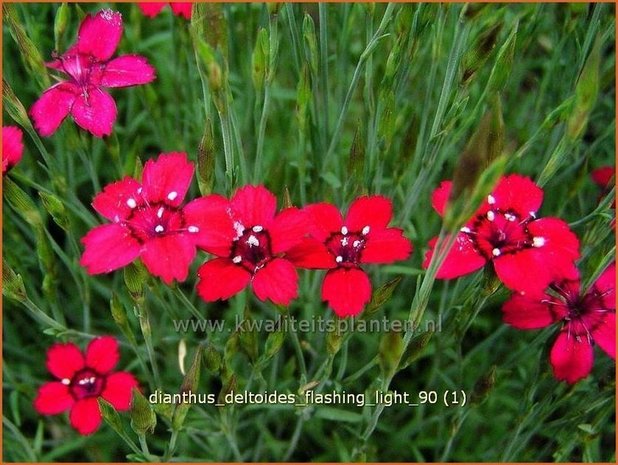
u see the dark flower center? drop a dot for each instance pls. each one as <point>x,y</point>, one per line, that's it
<point>347,246</point>
<point>251,248</point>
<point>583,313</point>
<point>499,232</point>
<point>86,383</point>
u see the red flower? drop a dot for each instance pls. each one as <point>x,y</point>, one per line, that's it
<point>152,9</point>
<point>12,147</point>
<point>149,222</point>
<point>82,380</point>
<point>585,317</point>
<point>343,245</point>
<point>527,252</point>
<point>251,245</point>
<point>603,176</point>
<point>89,67</point>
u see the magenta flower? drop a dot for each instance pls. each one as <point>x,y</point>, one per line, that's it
<point>12,147</point>
<point>586,317</point>
<point>152,9</point>
<point>90,67</point>
<point>149,222</point>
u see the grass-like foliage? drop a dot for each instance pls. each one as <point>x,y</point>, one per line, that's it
<point>318,103</point>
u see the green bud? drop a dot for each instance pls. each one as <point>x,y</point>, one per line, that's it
<point>63,17</point>
<point>212,358</point>
<point>248,338</point>
<point>12,284</point>
<point>334,339</point>
<point>483,386</point>
<point>135,276</point>
<point>380,296</point>
<point>14,107</point>
<point>504,64</point>
<point>206,160</point>
<point>228,386</point>
<point>55,207</point>
<point>415,349</point>
<point>119,316</point>
<point>389,352</point>
<point>189,384</point>
<point>273,344</point>
<point>22,203</point>
<point>259,60</point>
<point>110,415</point>
<point>311,44</point>
<point>143,418</point>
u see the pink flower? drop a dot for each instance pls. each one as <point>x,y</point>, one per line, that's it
<point>82,380</point>
<point>343,245</point>
<point>152,9</point>
<point>90,67</point>
<point>527,252</point>
<point>251,245</point>
<point>148,221</point>
<point>586,317</point>
<point>12,147</point>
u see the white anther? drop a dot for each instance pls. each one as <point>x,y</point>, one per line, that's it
<point>509,217</point>
<point>131,203</point>
<point>491,215</point>
<point>538,241</point>
<point>496,252</point>
<point>237,259</point>
<point>159,228</point>
<point>193,229</point>
<point>66,381</point>
<point>139,190</point>
<point>465,229</point>
<point>160,212</point>
<point>532,214</point>
<point>116,218</point>
<point>253,241</point>
<point>356,243</point>
<point>92,379</point>
<point>344,230</point>
<point>239,228</point>
<point>258,228</point>
<point>339,259</point>
<point>491,199</point>
<point>172,195</point>
<point>366,230</point>
<point>345,241</point>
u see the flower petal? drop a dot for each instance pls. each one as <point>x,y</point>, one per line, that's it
<point>102,354</point>
<point>127,70</point>
<point>605,335</point>
<point>100,34</point>
<point>168,178</point>
<point>169,257</point>
<point>311,253</point>
<point>571,357</point>
<point>375,211</point>
<point>95,112</point>
<point>277,281</point>
<point>85,416</point>
<point>119,389</point>
<point>52,107</point>
<point>440,196</point>
<point>182,9</point>
<point>12,147</point>
<point>603,176</point>
<point>525,271</point>
<point>112,202</point>
<point>220,279</point>
<point>53,398</point>
<point>518,193</point>
<point>324,219</point>
<point>605,285</point>
<point>386,246</point>
<point>151,9</point>
<point>462,259</point>
<point>254,206</point>
<point>560,246</point>
<point>64,360</point>
<point>288,229</point>
<point>347,290</point>
<point>215,229</point>
<point>108,247</point>
<point>524,312</point>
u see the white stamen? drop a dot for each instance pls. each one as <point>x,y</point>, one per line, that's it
<point>491,199</point>
<point>159,228</point>
<point>172,195</point>
<point>339,259</point>
<point>365,230</point>
<point>239,228</point>
<point>344,230</point>
<point>131,203</point>
<point>538,241</point>
<point>491,215</point>
<point>258,228</point>
<point>193,229</point>
<point>92,379</point>
<point>496,252</point>
<point>509,217</point>
<point>253,241</point>
<point>116,218</point>
<point>465,229</point>
<point>66,381</point>
<point>237,259</point>
<point>356,243</point>
<point>160,212</point>
<point>139,190</point>
<point>345,241</point>
<point>532,214</point>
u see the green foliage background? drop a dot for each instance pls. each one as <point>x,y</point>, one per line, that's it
<point>317,102</point>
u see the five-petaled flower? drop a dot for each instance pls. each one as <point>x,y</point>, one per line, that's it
<point>149,222</point>
<point>342,245</point>
<point>251,244</point>
<point>12,147</point>
<point>585,317</point>
<point>527,252</point>
<point>82,379</point>
<point>90,67</point>
<point>152,9</point>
